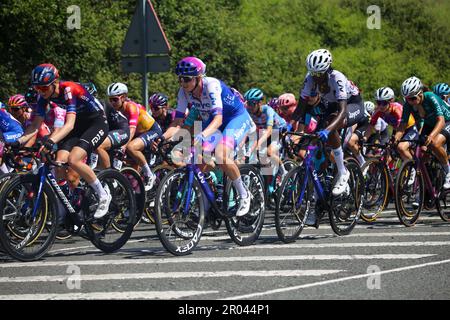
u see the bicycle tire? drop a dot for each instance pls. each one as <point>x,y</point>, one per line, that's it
<point>373,167</point>
<point>406,218</point>
<point>47,220</point>
<point>245,230</point>
<point>290,191</point>
<point>345,210</point>
<point>177,234</point>
<point>98,229</point>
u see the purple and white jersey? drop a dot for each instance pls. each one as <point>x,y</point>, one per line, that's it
<point>340,88</point>
<point>217,99</point>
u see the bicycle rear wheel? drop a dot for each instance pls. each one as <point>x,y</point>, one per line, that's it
<point>22,236</point>
<point>293,205</point>
<point>178,232</point>
<point>245,230</point>
<point>122,212</point>
<point>409,195</point>
<point>345,209</point>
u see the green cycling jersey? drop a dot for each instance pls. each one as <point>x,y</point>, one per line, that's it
<point>434,107</point>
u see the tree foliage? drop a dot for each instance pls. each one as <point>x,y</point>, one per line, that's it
<point>244,42</point>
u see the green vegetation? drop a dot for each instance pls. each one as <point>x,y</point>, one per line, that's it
<point>244,42</point>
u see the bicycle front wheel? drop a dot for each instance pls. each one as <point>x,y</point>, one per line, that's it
<point>24,236</point>
<point>293,205</point>
<point>179,231</point>
<point>409,193</point>
<point>376,189</point>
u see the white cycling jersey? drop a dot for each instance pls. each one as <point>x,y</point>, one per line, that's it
<point>340,88</point>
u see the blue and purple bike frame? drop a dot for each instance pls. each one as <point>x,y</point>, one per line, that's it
<point>194,172</point>
<point>311,172</point>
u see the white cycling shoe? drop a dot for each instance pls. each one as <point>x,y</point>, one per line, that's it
<point>103,205</point>
<point>244,205</point>
<point>447,181</point>
<point>341,184</point>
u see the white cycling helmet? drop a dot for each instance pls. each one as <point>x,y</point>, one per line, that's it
<point>369,106</point>
<point>319,60</point>
<point>116,89</point>
<point>384,94</point>
<point>411,87</point>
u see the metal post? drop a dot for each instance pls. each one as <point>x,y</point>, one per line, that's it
<point>144,53</point>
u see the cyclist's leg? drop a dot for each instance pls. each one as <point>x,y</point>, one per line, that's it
<point>135,149</point>
<point>90,140</point>
<point>403,148</point>
<point>103,156</point>
<point>233,134</point>
<point>439,151</point>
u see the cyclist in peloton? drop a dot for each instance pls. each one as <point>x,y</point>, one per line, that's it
<point>11,130</point>
<point>159,105</point>
<point>443,91</point>
<point>341,105</point>
<point>391,112</point>
<point>118,136</point>
<point>84,130</point>
<point>433,116</point>
<point>223,115</point>
<point>143,128</point>
<point>266,120</point>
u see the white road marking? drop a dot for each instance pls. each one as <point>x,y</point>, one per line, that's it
<point>321,283</point>
<point>214,260</point>
<point>107,295</point>
<point>344,245</point>
<point>172,275</point>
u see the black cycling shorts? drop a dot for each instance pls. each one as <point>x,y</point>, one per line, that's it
<point>88,134</point>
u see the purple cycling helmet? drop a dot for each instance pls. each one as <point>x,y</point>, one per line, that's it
<point>190,66</point>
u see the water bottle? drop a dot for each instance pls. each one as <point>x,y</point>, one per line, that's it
<point>93,160</point>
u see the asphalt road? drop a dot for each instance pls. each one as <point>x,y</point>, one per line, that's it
<point>383,260</point>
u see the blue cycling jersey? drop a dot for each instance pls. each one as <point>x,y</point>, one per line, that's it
<point>216,99</point>
<point>11,128</point>
<point>268,118</point>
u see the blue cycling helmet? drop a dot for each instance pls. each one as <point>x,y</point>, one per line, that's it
<point>44,75</point>
<point>441,89</point>
<point>190,66</point>
<point>254,95</point>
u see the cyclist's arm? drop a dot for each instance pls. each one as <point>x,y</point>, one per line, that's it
<point>134,118</point>
<point>31,130</point>
<point>173,128</point>
<point>400,132</point>
<point>339,120</point>
<point>213,126</point>
<point>68,126</point>
<point>264,137</point>
<point>440,124</point>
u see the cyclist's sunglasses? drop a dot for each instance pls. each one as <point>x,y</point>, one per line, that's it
<point>382,103</point>
<point>42,88</point>
<point>412,98</point>
<point>14,109</point>
<point>253,103</point>
<point>185,79</point>
<point>317,74</point>
<point>114,99</point>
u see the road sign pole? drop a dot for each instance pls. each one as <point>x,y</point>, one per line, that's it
<point>144,54</point>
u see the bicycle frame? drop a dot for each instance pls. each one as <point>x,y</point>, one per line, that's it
<point>44,175</point>
<point>194,172</point>
<point>311,174</point>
